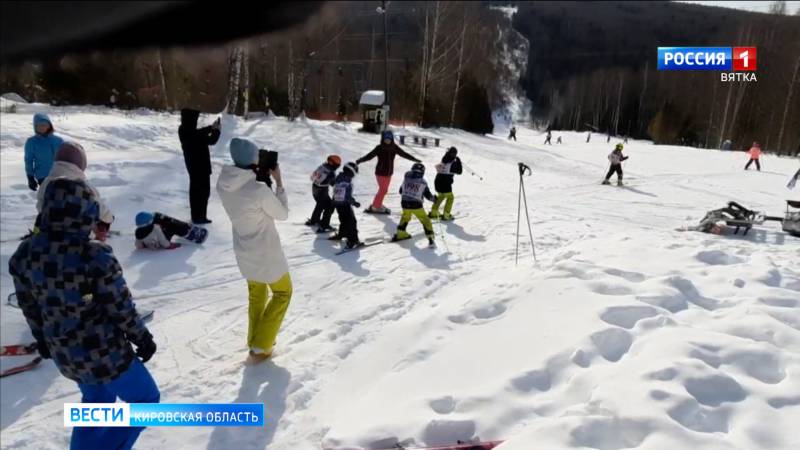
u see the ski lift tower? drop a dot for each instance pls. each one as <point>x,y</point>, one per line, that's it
<point>374,111</point>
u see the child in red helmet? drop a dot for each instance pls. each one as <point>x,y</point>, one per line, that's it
<point>322,179</point>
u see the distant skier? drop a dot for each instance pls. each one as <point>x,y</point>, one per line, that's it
<point>547,139</point>
<point>445,172</point>
<point>80,311</point>
<point>755,155</point>
<point>154,231</point>
<point>414,190</point>
<point>386,151</point>
<point>321,181</point>
<point>512,134</point>
<point>558,141</point>
<point>253,209</point>
<point>343,201</point>
<point>608,138</point>
<point>195,142</point>
<point>625,140</point>
<point>70,164</point>
<point>615,158</point>
<point>588,137</point>
<point>40,150</point>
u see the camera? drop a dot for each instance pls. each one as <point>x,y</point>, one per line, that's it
<point>267,161</point>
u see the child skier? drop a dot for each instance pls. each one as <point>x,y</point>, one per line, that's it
<point>755,155</point>
<point>616,159</point>
<point>512,134</point>
<point>343,201</point>
<point>413,190</point>
<point>549,136</point>
<point>154,231</point>
<point>445,172</point>
<point>321,180</point>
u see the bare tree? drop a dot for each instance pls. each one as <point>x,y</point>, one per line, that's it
<point>246,86</point>
<point>788,102</point>
<point>162,79</point>
<point>778,7</point>
<point>458,71</point>
<point>233,81</point>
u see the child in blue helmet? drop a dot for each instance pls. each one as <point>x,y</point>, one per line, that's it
<point>154,231</point>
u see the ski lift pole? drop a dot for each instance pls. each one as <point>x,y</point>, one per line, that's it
<point>523,198</point>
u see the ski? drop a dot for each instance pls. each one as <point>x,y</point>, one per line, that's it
<point>363,245</point>
<point>23,368</point>
<point>378,213</point>
<point>146,315</point>
<point>18,349</point>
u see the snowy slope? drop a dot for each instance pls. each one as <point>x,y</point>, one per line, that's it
<point>624,334</point>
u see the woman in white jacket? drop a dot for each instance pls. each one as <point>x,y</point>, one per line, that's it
<point>253,208</point>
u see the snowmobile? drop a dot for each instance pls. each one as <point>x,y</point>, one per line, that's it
<point>740,218</point>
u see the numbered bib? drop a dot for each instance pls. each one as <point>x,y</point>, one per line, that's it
<point>340,192</point>
<point>414,189</point>
<point>320,175</point>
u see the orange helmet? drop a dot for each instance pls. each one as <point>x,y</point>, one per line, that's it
<point>335,160</point>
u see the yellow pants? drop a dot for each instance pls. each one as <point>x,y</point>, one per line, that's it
<point>406,218</point>
<point>265,318</point>
<point>448,199</point>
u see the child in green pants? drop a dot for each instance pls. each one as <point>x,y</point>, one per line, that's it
<point>446,171</point>
<point>414,190</point>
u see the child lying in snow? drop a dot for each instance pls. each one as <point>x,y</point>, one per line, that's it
<point>155,230</point>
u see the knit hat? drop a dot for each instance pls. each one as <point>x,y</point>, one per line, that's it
<point>243,152</point>
<point>73,153</point>
<point>387,135</point>
<point>144,219</point>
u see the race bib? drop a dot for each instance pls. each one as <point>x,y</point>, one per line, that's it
<point>340,193</point>
<point>414,189</point>
<point>320,175</point>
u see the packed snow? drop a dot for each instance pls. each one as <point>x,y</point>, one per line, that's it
<point>625,333</point>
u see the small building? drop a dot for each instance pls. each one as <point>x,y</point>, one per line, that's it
<point>373,111</point>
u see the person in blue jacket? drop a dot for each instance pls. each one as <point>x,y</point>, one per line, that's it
<point>40,150</point>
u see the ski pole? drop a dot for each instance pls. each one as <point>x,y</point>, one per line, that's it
<point>471,172</point>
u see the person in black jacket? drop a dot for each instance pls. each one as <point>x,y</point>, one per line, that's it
<point>195,142</point>
<point>343,201</point>
<point>322,179</point>
<point>413,191</point>
<point>445,172</point>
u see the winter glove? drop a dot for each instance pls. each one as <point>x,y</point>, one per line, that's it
<point>623,158</point>
<point>356,204</point>
<point>44,352</point>
<point>146,349</point>
<point>32,184</point>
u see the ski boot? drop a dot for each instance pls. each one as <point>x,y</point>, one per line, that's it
<point>380,210</point>
<point>433,215</point>
<point>256,355</point>
<point>605,182</point>
<point>311,222</point>
<point>401,235</point>
<point>197,235</point>
<point>325,229</point>
<point>353,244</point>
<point>620,183</point>
<point>447,217</point>
<point>431,243</point>
<point>336,237</point>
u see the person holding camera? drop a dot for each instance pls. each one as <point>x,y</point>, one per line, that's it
<point>253,208</point>
<point>195,142</point>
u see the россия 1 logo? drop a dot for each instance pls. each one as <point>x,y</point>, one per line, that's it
<point>735,63</point>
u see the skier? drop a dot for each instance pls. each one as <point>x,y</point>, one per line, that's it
<point>547,139</point>
<point>70,164</point>
<point>195,142</point>
<point>616,158</point>
<point>79,309</point>
<point>154,231</point>
<point>625,140</point>
<point>413,190</point>
<point>588,137</point>
<point>512,134</point>
<point>755,155</point>
<point>253,208</point>
<point>40,149</point>
<point>321,180</point>
<point>558,141</point>
<point>343,201</point>
<point>386,152</point>
<point>445,172</point>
